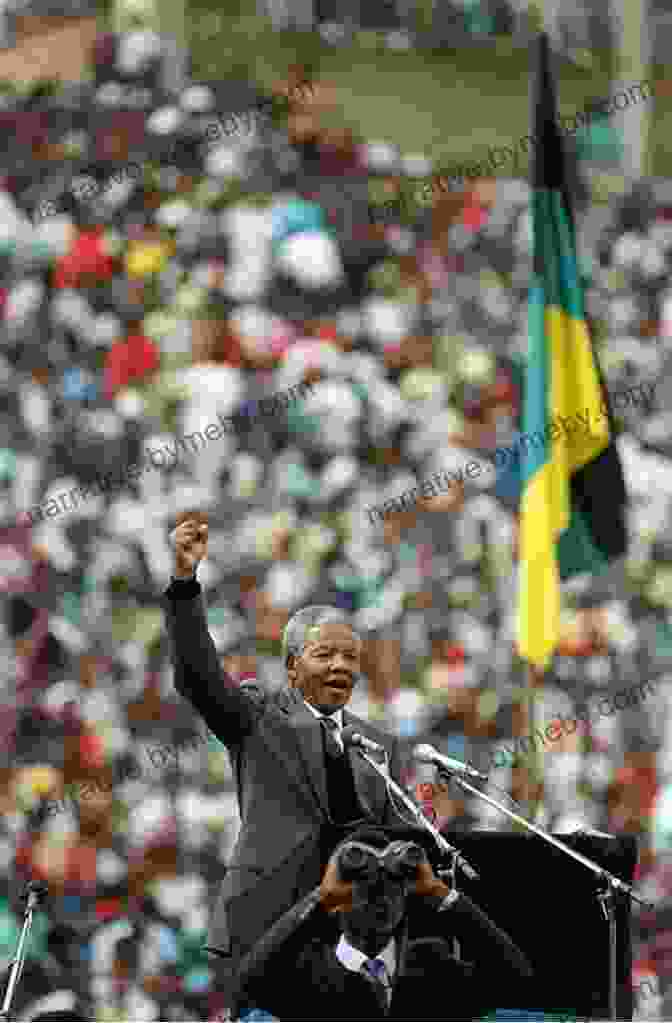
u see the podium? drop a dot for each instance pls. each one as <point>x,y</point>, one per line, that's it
<point>547,903</point>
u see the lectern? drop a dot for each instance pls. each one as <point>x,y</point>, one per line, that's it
<point>547,903</point>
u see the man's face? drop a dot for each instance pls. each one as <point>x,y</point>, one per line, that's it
<point>326,670</point>
<point>378,904</point>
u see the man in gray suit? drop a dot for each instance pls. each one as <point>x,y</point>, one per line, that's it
<point>299,792</point>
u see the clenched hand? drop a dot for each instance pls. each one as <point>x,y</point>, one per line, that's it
<point>190,539</point>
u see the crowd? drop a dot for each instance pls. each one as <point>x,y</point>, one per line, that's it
<point>153,305</point>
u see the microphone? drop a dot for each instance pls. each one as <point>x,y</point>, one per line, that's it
<point>428,755</point>
<point>351,737</point>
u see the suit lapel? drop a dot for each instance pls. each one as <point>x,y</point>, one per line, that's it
<point>295,736</point>
<point>402,954</point>
<point>308,733</point>
<point>310,771</point>
<point>370,786</point>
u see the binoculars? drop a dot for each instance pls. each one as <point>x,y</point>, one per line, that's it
<point>401,860</point>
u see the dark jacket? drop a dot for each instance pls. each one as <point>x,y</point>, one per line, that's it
<point>275,745</point>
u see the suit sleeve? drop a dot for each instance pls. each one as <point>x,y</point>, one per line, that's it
<point>462,918</point>
<point>229,710</point>
<point>287,936</point>
<point>290,968</point>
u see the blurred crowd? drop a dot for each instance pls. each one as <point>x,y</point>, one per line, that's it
<point>136,309</point>
<point>401,24</point>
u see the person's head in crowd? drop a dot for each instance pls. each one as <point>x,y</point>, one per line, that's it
<point>322,654</point>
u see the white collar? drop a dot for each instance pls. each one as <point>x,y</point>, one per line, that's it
<point>337,716</point>
<point>353,959</point>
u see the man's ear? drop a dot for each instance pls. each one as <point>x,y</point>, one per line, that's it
<point>291,670</point>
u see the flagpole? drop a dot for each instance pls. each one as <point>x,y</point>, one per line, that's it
<point>564,526</point>
<point>528,786</point>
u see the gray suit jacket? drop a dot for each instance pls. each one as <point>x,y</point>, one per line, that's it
<point>275,745</point>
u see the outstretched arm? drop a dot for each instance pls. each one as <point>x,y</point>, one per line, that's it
<point>229,710</point>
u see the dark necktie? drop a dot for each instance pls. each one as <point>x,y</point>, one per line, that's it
<point>331,743</point>
<point>375,972</point>
<point>344,805</point>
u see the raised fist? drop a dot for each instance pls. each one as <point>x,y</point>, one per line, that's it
<point>190,539</point>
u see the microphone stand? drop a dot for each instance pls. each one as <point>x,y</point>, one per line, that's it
<point>410,804</point>
<point>606,898</point>
<point>457,859</point>
<point>34,893</point>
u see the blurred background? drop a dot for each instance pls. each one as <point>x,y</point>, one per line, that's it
<point>202,206</point>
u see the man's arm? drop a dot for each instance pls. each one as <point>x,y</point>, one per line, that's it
<point>295,928</point>
<point>458,916</point>
<point>229,710</point>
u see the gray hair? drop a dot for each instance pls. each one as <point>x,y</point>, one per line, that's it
<point>299,625</point>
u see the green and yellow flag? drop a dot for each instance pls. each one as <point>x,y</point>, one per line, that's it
<point>573,499</point>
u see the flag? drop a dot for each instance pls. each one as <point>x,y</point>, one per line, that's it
<point>573,499</point>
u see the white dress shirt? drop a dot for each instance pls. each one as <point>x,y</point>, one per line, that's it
<point>337,716</point>
<point>353,960</point>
